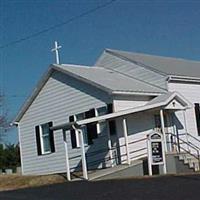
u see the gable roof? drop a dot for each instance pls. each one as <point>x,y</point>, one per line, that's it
<point>160,64</point>
<point>108,80</point>
<point>169,97</point>
<point>105,79</point>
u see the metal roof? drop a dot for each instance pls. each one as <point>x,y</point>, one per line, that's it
<point>132,69</point>
<point>107,79</point>
<point>136,80</point>
<point>168,97</point>
<point>166,65</point>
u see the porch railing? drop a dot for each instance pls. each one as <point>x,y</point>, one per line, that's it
<point>193,150</point>
<point>189,137</point>
<point>141,152</point>
<point>95,157</point>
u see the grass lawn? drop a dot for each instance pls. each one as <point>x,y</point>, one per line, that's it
<point>10,182</point>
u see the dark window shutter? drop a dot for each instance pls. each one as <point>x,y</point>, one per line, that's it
<point>91,128</point>
<point>37,132</point>
<point>197,113</point>
<point>112,123</point>
<point>110,108</point>
<point>51,138</point>
<point>112,127</point>
<point>73,133</point>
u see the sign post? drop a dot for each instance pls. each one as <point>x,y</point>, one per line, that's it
<point>156,153</point>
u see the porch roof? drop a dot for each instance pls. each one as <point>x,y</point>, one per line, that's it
<point>161,101</point>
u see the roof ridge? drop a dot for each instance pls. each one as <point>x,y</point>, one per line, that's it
<point>74,65</point>
<point>159,56</point>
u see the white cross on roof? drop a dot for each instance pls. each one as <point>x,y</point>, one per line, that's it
<point>57,47</point>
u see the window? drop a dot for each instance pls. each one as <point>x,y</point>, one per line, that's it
<point>197,113</point>
<point>102,126</point>
<point>44,139</point>
<point>90,131</point>
<point>74,134</point>
<point>112,123</point>
<point>81,116</point>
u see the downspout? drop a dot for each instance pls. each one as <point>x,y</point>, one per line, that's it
<point>17,124</point>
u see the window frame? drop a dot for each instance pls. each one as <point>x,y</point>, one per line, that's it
<point>100,112</point>
<point>98,124</point>
<point>84,130</point>
<point>40,139</point>
<point>78,145</point>
<point>77,135</point>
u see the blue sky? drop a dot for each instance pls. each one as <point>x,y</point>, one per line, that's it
<point>167,28</point>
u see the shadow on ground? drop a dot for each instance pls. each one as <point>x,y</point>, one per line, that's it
<point>185,187</point>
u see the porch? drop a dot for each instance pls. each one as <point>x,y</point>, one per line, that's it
<point>133,127</point>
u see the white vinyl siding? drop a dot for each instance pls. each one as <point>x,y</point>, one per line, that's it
<point>123,103</point>
<point>139,126</point>
<point>191,92</point>
<point>61,97</point>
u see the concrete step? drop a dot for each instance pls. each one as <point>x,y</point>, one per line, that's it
<point>194,164</point>
<point>190,160</point>
<point>182,156</point>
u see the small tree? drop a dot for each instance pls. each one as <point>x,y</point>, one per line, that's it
<point>4,122</point>
<point>9,156</point>
<point>2,157</point>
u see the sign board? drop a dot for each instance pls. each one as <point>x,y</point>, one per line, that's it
<point>156,153</point>
<point>155,136</point>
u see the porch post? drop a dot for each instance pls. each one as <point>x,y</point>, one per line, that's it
<point>169,136</point>
<point>126,141</point>
<point>177,136</point>
<point>163,128</point>
<point>186,131</point>
<point>84,163</point>
<point>110,146</point>
<point>67,157</point>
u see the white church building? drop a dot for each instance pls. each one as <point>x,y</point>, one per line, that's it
<point>96,120</point>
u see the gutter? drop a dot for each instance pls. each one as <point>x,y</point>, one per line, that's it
<point>137,93</point>
<point>183,79</point>
<point>14,124</point>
